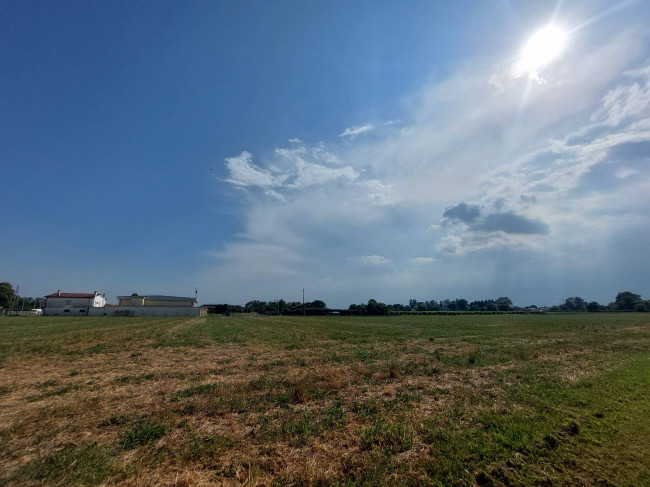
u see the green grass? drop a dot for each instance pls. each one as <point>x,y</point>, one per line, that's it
<point>143,431</point>
<point>71,465</point>
<point>556,399</point>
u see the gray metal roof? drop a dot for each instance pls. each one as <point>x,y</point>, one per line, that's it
<point>157,297</point>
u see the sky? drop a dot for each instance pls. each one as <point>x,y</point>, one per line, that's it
<point>356,150</point>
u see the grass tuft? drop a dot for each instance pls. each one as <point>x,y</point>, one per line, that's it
<point>72,465</point>
<point>143,431</point>
<point>391,437</point>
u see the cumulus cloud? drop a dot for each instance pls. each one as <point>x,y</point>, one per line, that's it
<point>296,168</point>
<point>510,222</point>
<point>462,212</point>
<point>500,177</point>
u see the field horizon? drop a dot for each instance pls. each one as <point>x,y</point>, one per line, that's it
<point>549,399</point>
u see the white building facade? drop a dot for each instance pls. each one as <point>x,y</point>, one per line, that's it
<point>72,304</point>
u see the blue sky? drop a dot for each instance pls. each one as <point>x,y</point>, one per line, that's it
<point>355,149</point>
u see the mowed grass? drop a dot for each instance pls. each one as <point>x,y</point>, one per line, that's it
<point>556,399</point>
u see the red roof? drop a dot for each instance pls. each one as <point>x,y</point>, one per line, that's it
<point>70,295</point>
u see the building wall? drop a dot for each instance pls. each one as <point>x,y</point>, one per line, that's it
<point>144,301</point>
<point>63,306</point>
<point>67,306</point>
<point>175,303</point>
<point>132,301</point>
<point>145,311</point>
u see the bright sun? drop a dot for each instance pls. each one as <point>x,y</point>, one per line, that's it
<point>542,48</point>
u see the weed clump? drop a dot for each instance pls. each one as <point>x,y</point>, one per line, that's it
<point>70,466</point>
<point>390,437</point>
<point>144,431</point>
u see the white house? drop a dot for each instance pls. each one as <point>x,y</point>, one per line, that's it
<point>72,304</point>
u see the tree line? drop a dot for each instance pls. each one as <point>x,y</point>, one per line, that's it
<point>11,301</point>
<point>624,301</point>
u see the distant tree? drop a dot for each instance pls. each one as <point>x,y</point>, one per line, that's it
<point>255,306</point>
<point>376,309</point>
<point>491,307</point>
<point>413,303</point>
<point>462,305</point>
<point>318,304</point>
<point>481,305</point>
<point>641,307</point>
<point>431,305</point>
<point>357,309</point>
<point>504,303</point>
<point>592,306</point>
<point>271,308</point>
<point>626,301</point>
<point>7,295</point>
<point>574,304</point>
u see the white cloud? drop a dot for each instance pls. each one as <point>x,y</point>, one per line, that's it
<point>626,172</point>
<point>370,259</point>
<point>296,168</point>
<point>353,132</point>
<point>314,174</point>
<point>244,173</point>
<point>542,169</point>
<point>624,102</point>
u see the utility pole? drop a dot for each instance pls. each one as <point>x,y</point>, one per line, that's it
<point>303,301</point>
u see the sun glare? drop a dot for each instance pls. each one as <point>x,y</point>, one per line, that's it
<point>546,45</point>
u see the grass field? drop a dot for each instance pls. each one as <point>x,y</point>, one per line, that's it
<point>556,399</point>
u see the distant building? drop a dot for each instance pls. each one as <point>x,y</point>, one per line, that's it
<point>156,300</point>
<point>151,305</point>
<point>72,304</point>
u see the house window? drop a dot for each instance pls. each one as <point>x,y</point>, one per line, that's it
<point>66,310</point>
<point>82,310</point>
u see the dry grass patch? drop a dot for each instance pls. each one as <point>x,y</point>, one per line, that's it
<point>275,401</point>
